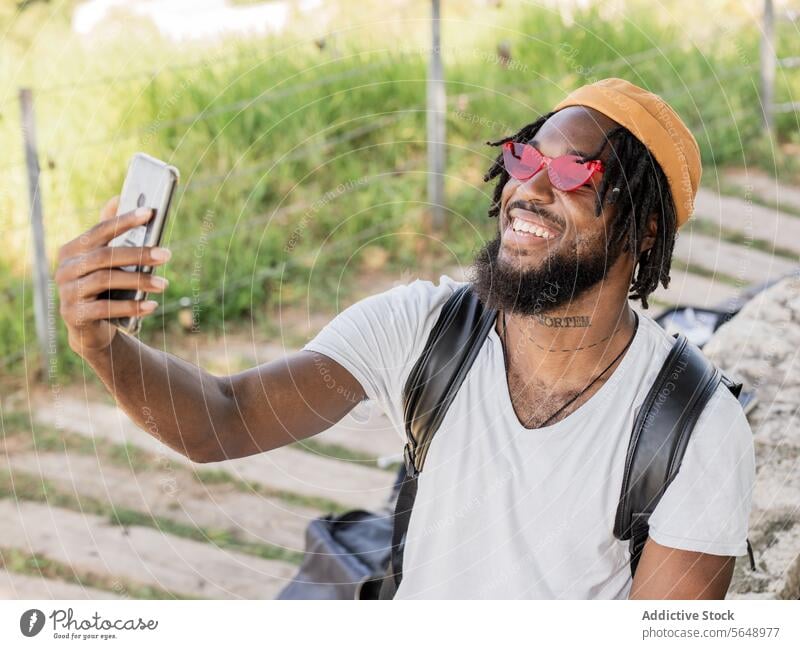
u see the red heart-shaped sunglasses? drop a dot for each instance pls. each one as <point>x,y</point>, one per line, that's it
<point>566,172</point>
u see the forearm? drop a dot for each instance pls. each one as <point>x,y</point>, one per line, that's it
<point>175,401</point>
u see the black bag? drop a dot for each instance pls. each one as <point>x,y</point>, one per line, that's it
<point>343,556</point>
<point>655,450</point>
<point>346,555</point>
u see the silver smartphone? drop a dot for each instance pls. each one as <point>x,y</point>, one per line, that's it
<point>149,183</point>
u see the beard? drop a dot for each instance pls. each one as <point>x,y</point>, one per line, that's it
<point>562,277</point>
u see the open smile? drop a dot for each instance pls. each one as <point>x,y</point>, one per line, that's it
<point>525,228</point>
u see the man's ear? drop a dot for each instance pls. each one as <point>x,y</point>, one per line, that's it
<point>649,238</point>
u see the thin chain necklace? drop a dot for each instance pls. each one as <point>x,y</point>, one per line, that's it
<point>616,358</point>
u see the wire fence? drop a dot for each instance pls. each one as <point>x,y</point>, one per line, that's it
<point>375,123</point>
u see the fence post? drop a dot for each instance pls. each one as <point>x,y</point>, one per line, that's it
<point>768,63</point>
<point>436,114</point>
<point>41,269</point>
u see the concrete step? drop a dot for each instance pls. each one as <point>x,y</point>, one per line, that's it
<point>693,290</point>
<point>171,494</point>
<point>764,187</point>
<point>18,586</point>
<point>90,544</point>
<point>768,224</point>
<point>285,469</point>
<point>744,263</point>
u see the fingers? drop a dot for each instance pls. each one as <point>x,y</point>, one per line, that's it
<point>81,313</point>
<point>104,231</point>
<point>109,257</point>
<point>109,209</point>
<point>110,228</point>
<point>106,279</point>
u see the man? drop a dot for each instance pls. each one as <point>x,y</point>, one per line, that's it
<point>521,482</point>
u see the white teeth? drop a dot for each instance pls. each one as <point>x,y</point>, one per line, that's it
<point>524,226</point>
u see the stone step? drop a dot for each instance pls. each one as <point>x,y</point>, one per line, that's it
<point>768,224</point>
<point>764,187</point>
<point>693,290</point>
<point>90,544</point>
<point>19,586</point>
<point>170,494</point>
<point>284,468</point>
<point>744,263</point>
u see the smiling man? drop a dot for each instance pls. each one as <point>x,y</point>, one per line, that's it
<point>522,480</point>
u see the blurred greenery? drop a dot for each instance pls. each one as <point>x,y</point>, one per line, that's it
<point>303,154</point>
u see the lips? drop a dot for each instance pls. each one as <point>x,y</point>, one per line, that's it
<point>526,229</point>
<point>526,220</point>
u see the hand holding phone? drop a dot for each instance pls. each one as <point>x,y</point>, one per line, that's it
<point>149,183</point>
<point>87,268</point>
<point>102,285</point>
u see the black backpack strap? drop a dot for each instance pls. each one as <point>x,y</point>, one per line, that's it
<point>400,521</point>
<point>452,346</point>
<point>661,432</point>
<point>451,349</point>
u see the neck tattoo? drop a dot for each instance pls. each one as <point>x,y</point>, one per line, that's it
<point>567,321</point>
<point>571,349</point>
<point>596,378</point>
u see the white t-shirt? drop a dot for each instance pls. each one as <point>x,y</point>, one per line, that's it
<point>503,512</point>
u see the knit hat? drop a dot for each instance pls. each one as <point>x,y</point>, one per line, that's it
<point>656,125</point>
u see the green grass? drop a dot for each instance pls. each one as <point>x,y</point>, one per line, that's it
<point>702,271</point>
<point>221,538</point>
<point>735,189</point>
<point>48,438</point>
<point>338,452</point>
<point>342,134</point>
<point>26,563</point>
<point>45,437</point>
<point>21,486</point>
<point>217,476</point>
<point>741,238</point>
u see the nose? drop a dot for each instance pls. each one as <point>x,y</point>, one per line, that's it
<point>537,189</point>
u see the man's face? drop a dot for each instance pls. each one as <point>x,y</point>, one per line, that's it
<point>527,273</point>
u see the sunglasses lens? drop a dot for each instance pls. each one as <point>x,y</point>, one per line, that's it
<point>567,172</point>
<point>521,161</point>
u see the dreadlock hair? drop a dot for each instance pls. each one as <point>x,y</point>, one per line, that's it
<point>642,190</point>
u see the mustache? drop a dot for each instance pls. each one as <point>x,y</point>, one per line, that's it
<point>546,216</point>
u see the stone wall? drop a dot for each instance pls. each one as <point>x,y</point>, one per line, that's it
<point>761,347</point>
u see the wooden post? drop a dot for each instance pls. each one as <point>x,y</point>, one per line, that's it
<point>436,114</point>
<point>43,309</point>
<point>768,62</point>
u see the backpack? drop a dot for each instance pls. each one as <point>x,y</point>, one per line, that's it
<point>658,441</point>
